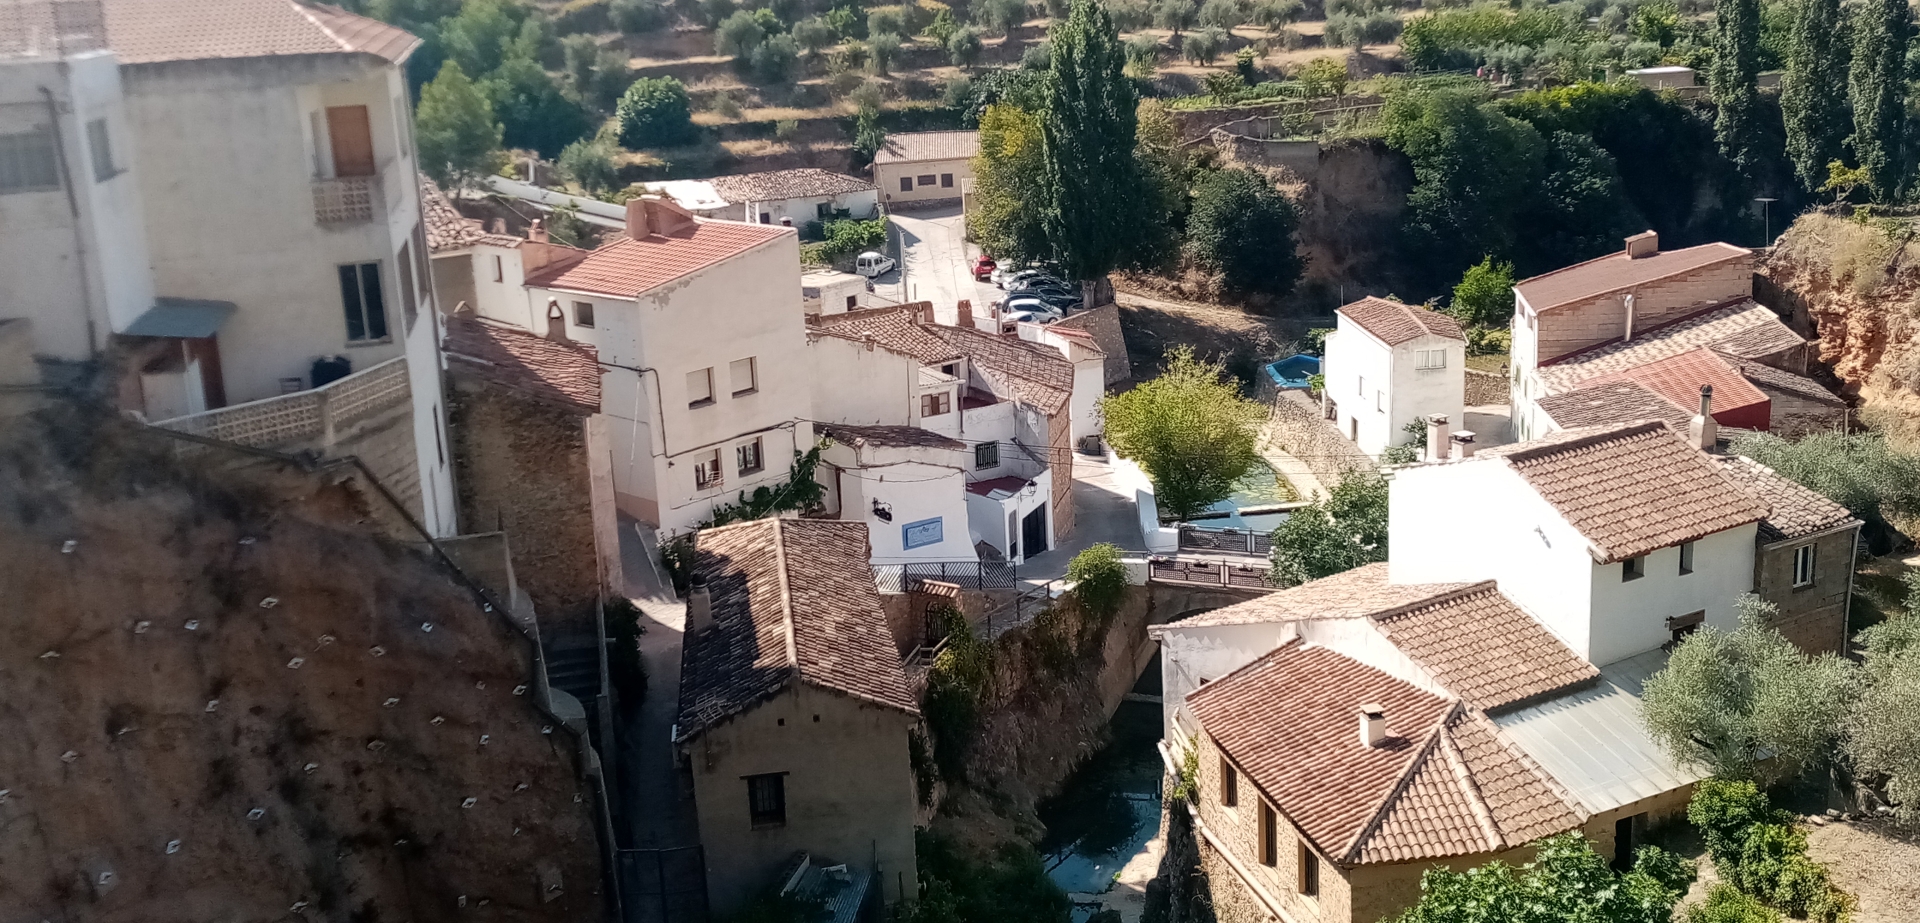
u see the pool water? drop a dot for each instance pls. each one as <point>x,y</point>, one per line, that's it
<point>1293,371</point>
<point>1260,486</point>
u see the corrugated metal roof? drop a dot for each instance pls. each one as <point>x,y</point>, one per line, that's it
<point>181,317</point>
<point>1593,741</point>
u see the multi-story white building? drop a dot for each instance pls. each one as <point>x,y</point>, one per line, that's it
<point>214,198</point>
<point>1390,364</point>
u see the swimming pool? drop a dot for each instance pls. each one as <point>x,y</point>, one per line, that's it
<point>1293,371</point>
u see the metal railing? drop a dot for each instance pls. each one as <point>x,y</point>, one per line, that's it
<point>347,199</point>
<point>312,415</point>
<point>51,28</point>
<point>968,575</point>
<point>1232,541</point>
<point>1208,573</point>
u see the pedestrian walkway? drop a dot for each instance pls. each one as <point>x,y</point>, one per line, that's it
<point>1102,512</point>
<point>657,805</point>
<point>1306,484</point>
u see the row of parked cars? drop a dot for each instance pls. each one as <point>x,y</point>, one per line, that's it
<point>1034,295</point>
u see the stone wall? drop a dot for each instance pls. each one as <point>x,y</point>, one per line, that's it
<point>1600,319</point>
<point>520,466</point>
<point>1485,388</point>
<point>1104,323</point>
<point>1813,617</point>
<point>1295,424</point>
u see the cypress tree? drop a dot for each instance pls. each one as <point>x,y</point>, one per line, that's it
<point>1882,30</point>
<point>1817,122</point>
<point>1735,79</point>
<point>1087,125</point>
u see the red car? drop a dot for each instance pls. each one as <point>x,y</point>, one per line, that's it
<point>983,267</point>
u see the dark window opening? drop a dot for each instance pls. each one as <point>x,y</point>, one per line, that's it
<point>767,799</point>
<point>1229,784</point>
<point>1633,568</point>
<point>986,455</point>
<point>1309,871</point>
<point>365,305</point>
<point>583,313</point>
<point>1269,836</point>
<point>906,184</point>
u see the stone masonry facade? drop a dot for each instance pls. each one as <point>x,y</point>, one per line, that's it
<point>1814,616</point>
<point>1601,319</point>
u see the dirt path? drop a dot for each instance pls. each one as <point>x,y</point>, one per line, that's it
<point>1873,860</point>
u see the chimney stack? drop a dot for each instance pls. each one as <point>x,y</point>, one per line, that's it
<point>1373,725</point>
<point>637,217</point>
<point>1645,243</point>
<point>556,321</point>
<point>699,605</point>
<point>1703,431</point>
<point>537,231</point>
<point>1436,436</point>
<point>966,313</point>
<point>1462,444</point>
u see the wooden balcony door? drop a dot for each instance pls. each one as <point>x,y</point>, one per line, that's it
<point>351,132</point>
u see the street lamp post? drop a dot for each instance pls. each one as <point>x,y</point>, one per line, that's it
<point>1766,223</point>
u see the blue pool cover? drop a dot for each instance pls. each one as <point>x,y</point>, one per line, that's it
<point>1293,371</point>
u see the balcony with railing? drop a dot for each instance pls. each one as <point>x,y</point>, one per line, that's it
<point>342,200</point>
<point>318,418</point>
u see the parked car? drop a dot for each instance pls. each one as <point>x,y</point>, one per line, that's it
<point>1010,321</point>
<point>983,268</point>
<point>1004,271</point>
<point>1009,280</point>
<point>872,264</point>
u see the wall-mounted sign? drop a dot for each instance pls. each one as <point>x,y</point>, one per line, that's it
<point>923,533</point>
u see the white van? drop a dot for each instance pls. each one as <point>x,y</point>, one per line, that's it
<point>872,264</point>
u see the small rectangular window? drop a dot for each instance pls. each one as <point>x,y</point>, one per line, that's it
<point>706,471</point>
<point>748,458</point>
<point>767,799</point>
<point>986,455</point>
<point>823,210</point>
<point>933,405</point>
<point>439,449</point>
<point>1229,784</point>
<point>102,151</point>
<point>1686,559</point>
<point>745,376</point>
<point>700,387</point>
<point>1633,568</point>
<point>1432,359</point>
<point>925,179</point>
<point>853,301</point>
<point>1361,387</point>
<point>409,308</point>
<point>28,162</point>
<point>1380,401</point>
<point>1803,573</point>
<point>1269,835</point>
<point>1309,871</point>
<point>364,302</point>
<point>499,273</point>
<point>946,181</point>
<point>906,184</point>
<point>583,314</point>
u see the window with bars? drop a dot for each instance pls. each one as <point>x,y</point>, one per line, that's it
<point>749,457</point>
<point>364,302</point>
<point>767,799</point>
<point>28,162</point>
<point>986,455</point>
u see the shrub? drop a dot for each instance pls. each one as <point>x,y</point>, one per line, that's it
<point>1222,14</point>
<point>1203,47</point>
<point>738,35</point>
<point>1130,15</point>
<point>847,22</point>
<point>777,59</point>
<point>1489,341</point>
<point>633,16</point>
<point>965,46</point>
<point>884,22</point>
<point>1726,904</point>
<point>655,112</point>
<point>1274,15</point>
<point>1242,228</point>
<point>957,680</point>
<point>1356,29</point>
<point>814,35</point>
<point>589,163</point>
<point>1100,580</point>
<point>1037,57</point>
<point>1484,297</point>
<point>786,129</point>
<point>1143,54</point>
<point>999,16</point>
<point>1757,850</point>
<point>1323,77</point>
<point>1337,533</point>
<point>882,50</point>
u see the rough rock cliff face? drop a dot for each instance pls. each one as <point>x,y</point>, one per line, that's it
<point>221,701</point>
<point>1855,286</point>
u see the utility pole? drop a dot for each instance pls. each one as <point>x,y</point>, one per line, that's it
<point>1766,223</point>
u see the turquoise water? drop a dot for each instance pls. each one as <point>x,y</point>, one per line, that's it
<point>1260,486</point>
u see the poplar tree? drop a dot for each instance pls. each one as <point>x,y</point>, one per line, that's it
<point>1087,123</point>
<point>1817,121</point>
<point>1735,79</point>
<point>1882,30</point>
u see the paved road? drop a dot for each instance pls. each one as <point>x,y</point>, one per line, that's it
<point>937,264</point>
<point>1102,512</point>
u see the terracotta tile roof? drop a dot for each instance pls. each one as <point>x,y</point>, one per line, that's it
<point>1395,323</point>
<point>1485,649</point>
<point>564,374</point>
<point>445,227</point>
<point>1471,794</point>
<point>1745,329</point>
<point>1357,593</point>
<point>1772,380</point>
<point>900,436</point>
<point>893,328</point>
<point>1678,379</point>
<point>793,600</point>
<point>1031,374</point>
<point>1620,401</point>
<point>912,146</point>
<point>773,185</point>
<point>1793,511</point>
<point>1615,272</point>
<point>1629,489</point>
<point>154,31</point>
<point>629,266</point>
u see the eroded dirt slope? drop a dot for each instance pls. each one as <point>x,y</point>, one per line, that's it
<point>219,700</point>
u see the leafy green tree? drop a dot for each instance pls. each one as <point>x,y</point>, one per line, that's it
<point>533,110</point>
<point>458,137</point>
<point>479,36</point>
<point>1735,80</point>
<point>1242,228</point>
<point>1222,14</point>
<point>1757,851</point>
<point>1658,23</point>
<point>1859,471</point>
<point>883,48</point>
<point>1175,15</point>
<point>1087,127</point>
<point>1817,120</point>
<point>868,136</point>
<point>1882,31</point>
<point>1189,430</point>
<point>999,16</point>
<point>1008,172</point>
<point>1335,533</point>
<point>1100,579</point>
<point>1475,171</point>
<point>738,35</point>
<point>655,112</point>
<point>589,163</point>
<point>1323,77</point>
<point>1883,733</point>
<point>1580,209</point>
<point>635,16</point>
<point>1748,704</point>
<point>1566,882</point>
<point>1011,886</point>
<point>814,35</point>
<point>1203,47</point>
<point>965,47</point>
<point>1275,15</point>
<point>776,60</point>
<point>885,22</point>
<point>1484,297</point>
<point>942,26</point>
<point>1726,904</point>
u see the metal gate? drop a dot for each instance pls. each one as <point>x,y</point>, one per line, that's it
<point>663,885</point>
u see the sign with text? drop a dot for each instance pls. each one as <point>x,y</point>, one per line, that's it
<point>923,533</point>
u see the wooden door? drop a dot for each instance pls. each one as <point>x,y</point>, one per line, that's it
<point>352,135</point>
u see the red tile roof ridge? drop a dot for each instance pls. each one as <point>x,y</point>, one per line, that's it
<point>1734,252</point>
<point>1350,852</point>
<point>1444,596</point>
<point>1469,786</point>
<point>630,266</point>
<point>1576,438</point>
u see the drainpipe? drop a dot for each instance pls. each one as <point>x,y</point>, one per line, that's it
<point>73,207</point>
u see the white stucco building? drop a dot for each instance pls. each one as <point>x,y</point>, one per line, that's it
<point>1388,365</point>
<point>216,208</point>
<point>793,197</point>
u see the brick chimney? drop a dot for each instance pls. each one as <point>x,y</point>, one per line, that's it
<point>537,231</point>
<point>556,321</point>
<point>966,313</point>
<point>1436,436</point>
<point>1373,725</point>
<point>649,214</point>
<point>1702,431</point>
<point>699,605</point>
<point>1462,444</point>
<point>1645,243</point>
